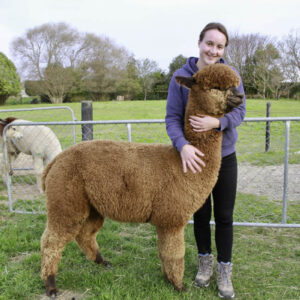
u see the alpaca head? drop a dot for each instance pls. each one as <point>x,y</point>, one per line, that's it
<point>14,132</point>
<point>213,90</point>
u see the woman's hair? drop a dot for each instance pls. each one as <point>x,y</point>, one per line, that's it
<point>217,26</point>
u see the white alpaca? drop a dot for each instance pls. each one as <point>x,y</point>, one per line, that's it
<point>38,141</point>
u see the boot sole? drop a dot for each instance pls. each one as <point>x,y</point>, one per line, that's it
<point>201,285</point>
<point>226,297</point>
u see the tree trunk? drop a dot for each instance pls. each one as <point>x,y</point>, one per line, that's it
<point>3,98</point>
<point>56,100</point>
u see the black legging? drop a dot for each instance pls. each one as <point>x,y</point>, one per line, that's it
<point>224,194</point>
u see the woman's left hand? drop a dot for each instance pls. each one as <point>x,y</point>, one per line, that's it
<point>204,123</point>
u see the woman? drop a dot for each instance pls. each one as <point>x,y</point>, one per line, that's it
<point>212,43</point>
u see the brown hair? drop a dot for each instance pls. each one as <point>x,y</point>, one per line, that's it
<point>217,26</point>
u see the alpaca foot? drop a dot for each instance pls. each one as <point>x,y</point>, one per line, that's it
<point>177,287</point>
<point>180,289</point>
<point>51,290</point>
<point>100,260</point>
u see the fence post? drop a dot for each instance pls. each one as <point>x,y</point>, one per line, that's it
<point>129,132</point>
<point>286,171</point>
<point>268,127</point>
<point>87,115</point>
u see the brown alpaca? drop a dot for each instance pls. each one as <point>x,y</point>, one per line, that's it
<point>133,182</point>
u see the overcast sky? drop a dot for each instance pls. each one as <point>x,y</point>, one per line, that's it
<point>155,29</point>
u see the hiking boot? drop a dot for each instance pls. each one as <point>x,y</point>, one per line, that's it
<point>224,280</point>
<point>205,270</point>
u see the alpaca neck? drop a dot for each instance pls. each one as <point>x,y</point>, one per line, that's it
<point>210,144</point>
<point>210,140</point>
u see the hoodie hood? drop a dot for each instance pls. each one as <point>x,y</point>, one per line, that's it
<point>190,67</point>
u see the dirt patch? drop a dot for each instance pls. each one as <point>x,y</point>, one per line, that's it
<point>67,295</point>
<point>20,257</point>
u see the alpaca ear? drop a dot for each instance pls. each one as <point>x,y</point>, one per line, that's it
<point>187,82</point>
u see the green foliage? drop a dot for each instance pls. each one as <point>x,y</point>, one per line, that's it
<point>176,63</point>
<point>9,80</point>
<point>295,91</point>
<point>267,76</point>
<point>33,87</point>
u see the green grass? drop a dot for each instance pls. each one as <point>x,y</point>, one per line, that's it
<point>155,109</point>
<point>266,263</point>
<point>279,108</point>
<point>112,110</point>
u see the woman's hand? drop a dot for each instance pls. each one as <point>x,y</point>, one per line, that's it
<point>204,123</point>
<point>190,157</point>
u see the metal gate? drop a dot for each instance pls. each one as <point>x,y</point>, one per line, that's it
<point>269,177</point>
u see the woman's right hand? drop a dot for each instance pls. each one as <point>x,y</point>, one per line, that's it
<point>190,157</point>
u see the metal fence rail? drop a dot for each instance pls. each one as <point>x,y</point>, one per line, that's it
<point>268,193</point>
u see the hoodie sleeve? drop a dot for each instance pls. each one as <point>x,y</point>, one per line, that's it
<point>235,117</point>
<point>175,111</point>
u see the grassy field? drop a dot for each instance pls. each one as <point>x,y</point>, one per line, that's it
<point>126,110</point>
<point>266,263</point>
<point>266,260</point>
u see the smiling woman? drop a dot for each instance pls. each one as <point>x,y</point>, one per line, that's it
<point>212,42</point>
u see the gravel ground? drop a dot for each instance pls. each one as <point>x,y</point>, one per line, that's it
<point>268,181</point>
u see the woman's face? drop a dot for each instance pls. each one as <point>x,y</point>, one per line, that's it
<point>211,48</point>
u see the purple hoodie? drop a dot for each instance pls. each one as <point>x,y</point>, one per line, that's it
<point>176,103</point>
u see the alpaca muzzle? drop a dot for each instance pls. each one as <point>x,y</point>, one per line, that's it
<point>234,100</point>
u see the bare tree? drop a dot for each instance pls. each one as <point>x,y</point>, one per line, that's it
<point>290,50</point>
<point>104,67</point>
<point>146,68</point>
<point>52,53</point>
<point>46,53</point>
<point>240,53</point>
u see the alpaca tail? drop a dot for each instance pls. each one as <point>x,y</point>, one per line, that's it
<point>45,173</point>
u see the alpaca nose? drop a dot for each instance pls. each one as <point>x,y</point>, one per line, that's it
<point>234,100</point>
<point>236,92</point>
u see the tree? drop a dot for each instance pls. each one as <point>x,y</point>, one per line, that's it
<point>146,68</point>
<point>290,52</point>
<point>240,54</point>
<point>50,48</point>
<point>291,46</point>
<point>104,68</point>
<point>57,54</point>
<point>129,85</point>
<point>9,79</point>
<point>160,85</point>
<point>176,63</point>
<point>267,76</point>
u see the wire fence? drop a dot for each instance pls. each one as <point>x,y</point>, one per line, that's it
<point>268,179</point>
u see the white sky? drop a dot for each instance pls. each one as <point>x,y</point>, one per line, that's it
<point>154,29</point>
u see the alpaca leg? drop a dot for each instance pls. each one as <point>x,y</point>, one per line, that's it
<point>52,246</point>
<point>171,253</point>
<point>86,238</point>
